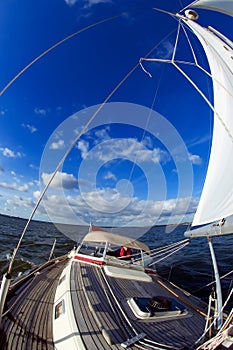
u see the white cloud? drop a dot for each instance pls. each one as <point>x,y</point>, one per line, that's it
<point>58,134</point>
<point>57,145</point>
<point>61,181</point>
<point>33,166</point>
<point>99,135</point>
<point>200,140</point>
<point>88,3</point>
<point>31,128</point>
<point>2,112</point>
<point>20,203</point>
<point>195,159</point>
<point>124,148</point>
<point>110,176</point>
<point>6,152</point>
<point>71,2</point>
<point>40,111</point>
<point>147,141</point>
<point>36,194</point>
<point>165,50</point>
<point>14,186</point>
<point>103,134</point>
<point>105,205</point>
<point>83,146</point>
<point>116,209</point>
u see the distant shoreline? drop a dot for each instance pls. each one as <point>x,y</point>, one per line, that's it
<point>106,227</point>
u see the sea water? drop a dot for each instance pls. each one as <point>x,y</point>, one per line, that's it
<point>190,268</point>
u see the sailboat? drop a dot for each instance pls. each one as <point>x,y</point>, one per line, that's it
<point>106,292</point>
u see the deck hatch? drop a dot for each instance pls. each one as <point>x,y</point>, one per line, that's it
<point>141,307</point>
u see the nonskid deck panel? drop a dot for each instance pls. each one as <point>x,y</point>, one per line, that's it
<point>28,323</point>
<point>181,331</point>
<point>92,320</point>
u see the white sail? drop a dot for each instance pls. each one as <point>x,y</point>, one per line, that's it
<point>225,6</point>
<point>217,197</point>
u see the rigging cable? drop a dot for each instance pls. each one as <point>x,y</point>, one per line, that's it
<point>209,284</point>
<point>188,78</point>
<point>171,253</point>
<point>146,125</point>
<point>81,132</point>
<point>52,48</point>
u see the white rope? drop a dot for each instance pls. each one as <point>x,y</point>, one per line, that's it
<point>208,313</point>
<point>230,315</point>
<point>216,341</point>
<point>212,323</point>
<point>144,70</point>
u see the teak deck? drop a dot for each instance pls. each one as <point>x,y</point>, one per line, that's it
<point>99,306</point>
<point>107,297</point>
<point>28,323</point>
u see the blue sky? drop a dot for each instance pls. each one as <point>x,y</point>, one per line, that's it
<point>143,159</point>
